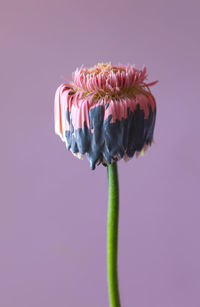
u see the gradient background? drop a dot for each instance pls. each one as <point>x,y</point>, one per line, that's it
<point>52,206</point>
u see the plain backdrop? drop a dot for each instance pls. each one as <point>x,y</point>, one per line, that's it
<point>53,208</point>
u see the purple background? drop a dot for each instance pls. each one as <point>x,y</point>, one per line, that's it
<point>53,208</point>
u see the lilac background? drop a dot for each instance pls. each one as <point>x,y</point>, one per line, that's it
<point>52,207</point>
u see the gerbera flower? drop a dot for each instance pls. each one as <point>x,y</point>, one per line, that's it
<point>106,112</point>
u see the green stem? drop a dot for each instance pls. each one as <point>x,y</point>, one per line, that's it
<point>112,235</point>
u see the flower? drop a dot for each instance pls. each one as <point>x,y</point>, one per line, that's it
<point>107,113</point>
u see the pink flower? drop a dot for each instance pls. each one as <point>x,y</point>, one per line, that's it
<point>107,112</point>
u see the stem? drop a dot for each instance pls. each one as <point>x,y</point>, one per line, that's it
<point>112,235</point>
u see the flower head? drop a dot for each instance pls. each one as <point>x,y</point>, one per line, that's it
<point>107,112</point>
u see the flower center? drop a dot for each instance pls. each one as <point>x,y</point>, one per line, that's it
<point>105,68</point>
